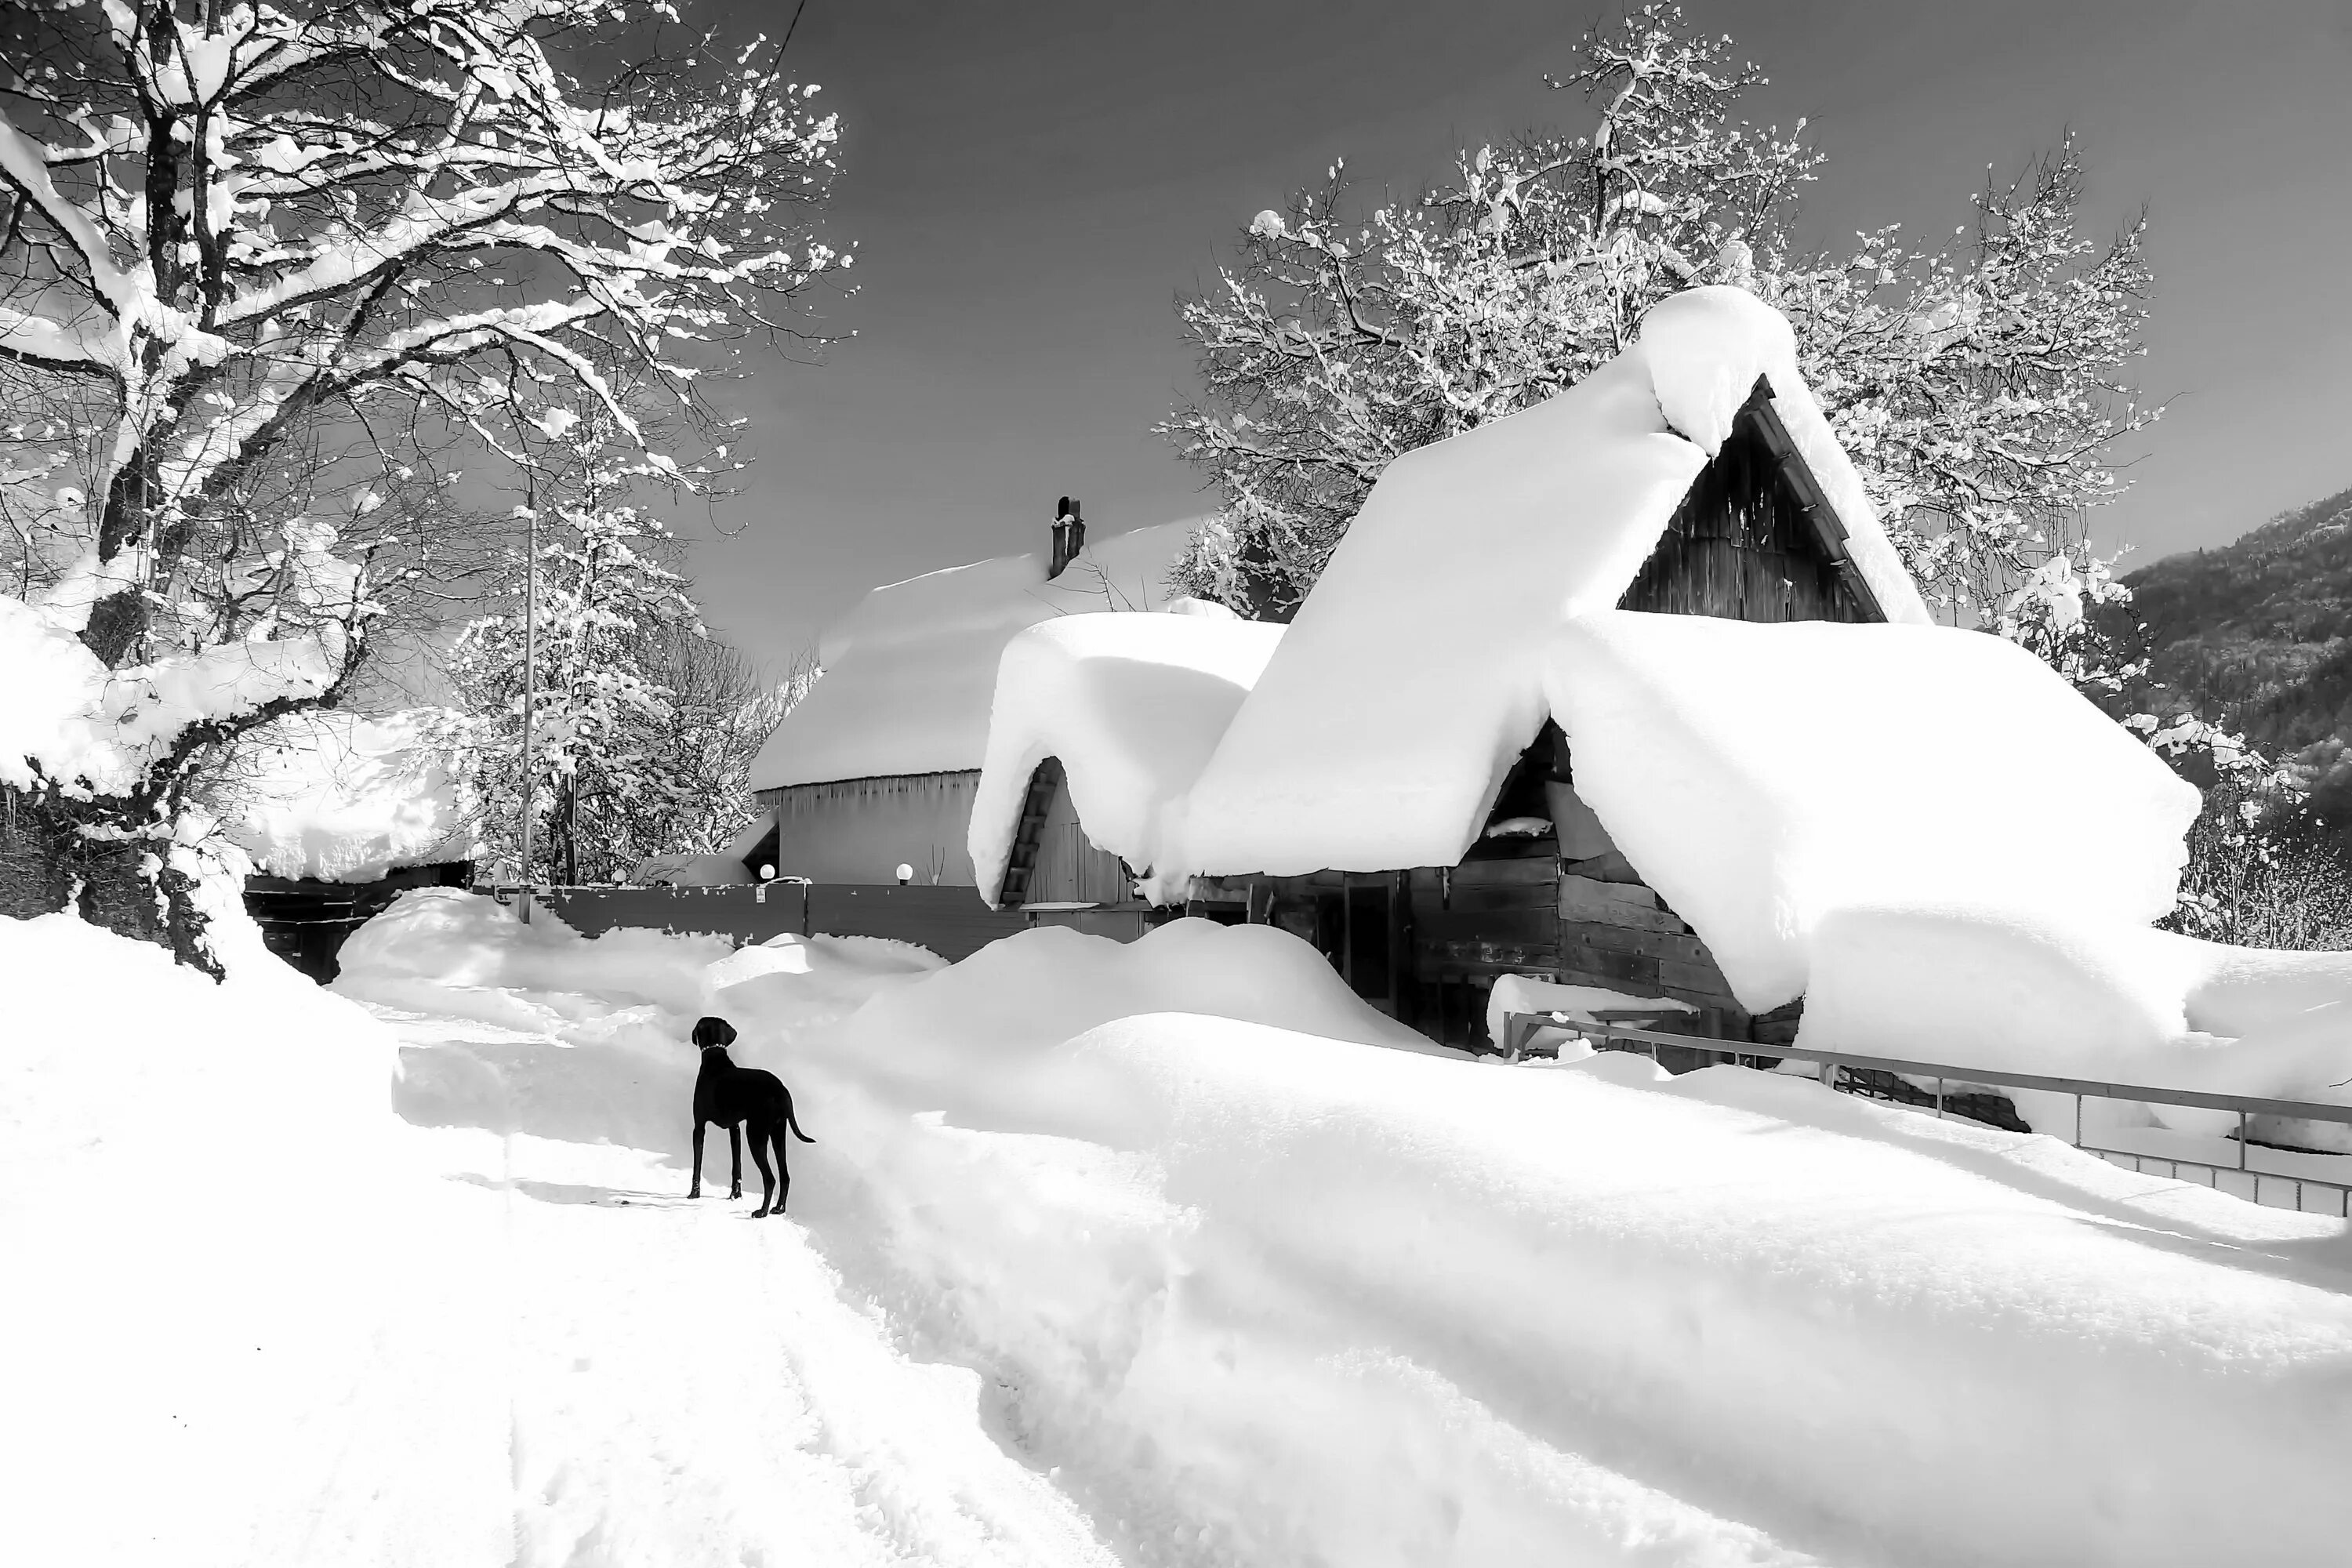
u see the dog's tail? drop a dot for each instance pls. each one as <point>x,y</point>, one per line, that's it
<point>794,1122</point>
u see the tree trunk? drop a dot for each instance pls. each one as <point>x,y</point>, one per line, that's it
<point>48,864</point>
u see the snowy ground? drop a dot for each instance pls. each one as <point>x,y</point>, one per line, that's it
<point>1156,1255</point>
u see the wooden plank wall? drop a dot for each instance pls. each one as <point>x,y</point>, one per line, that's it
<point>1739,546</point>
<point>1455,930</point>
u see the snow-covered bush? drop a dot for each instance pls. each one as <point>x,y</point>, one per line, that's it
<point>263,269</point>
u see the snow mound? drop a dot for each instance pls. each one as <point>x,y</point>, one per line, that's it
<point>907,672</point>
<point>1256,1287</point>
<point>932,1036</point>
<point>344,797</point>
<point>1413,674</point>
<point>446,949</point>
<point>2032,991</point>
<point>1132,706</point>
<point>193,1201</point>
<point>1761,776</point>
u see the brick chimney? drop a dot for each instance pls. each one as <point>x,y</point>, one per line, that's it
<point>1069,537</point>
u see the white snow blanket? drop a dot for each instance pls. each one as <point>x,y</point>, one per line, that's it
<point>1067,1280</point>
<point>1415,672</point>
<point>1257,1292</point>
<point>1132,706</point>
<point>346,797</point>
<point>1761,776</point>
<point>909,673</point>
<point>311,1286</point>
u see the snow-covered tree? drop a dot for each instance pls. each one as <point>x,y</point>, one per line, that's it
<point>261,266</point>
<point>1345,340</point>
<point>644,725</point>
<point>1978,388</point>
<point>599,718</point>
<point>722,710</point>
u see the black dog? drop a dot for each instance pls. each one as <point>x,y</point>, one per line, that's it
<point>739,1099</point>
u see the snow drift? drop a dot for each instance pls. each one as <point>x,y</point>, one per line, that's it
<point>1260,1293</point>
<point>2042,991</point>
<point>436,944</point>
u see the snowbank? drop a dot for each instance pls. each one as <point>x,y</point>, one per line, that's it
<point>909,672</point>
<point>1761,776</point>
<point>446,949</point>
<point>1258,1293</point>
<point>1412,675</point>
<point>197,1209</point>
<point>1132,706</point>
<point>1053,982</point>
<point>344,797</point>
<point>2036,992</point>
<point>1243,1287</point>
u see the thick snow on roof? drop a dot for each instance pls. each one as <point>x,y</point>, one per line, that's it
<point>1132,706</point>
<point>1761,776</point>
<point>909,673</point>
<point>344,797</point>
<point>1412,675</point>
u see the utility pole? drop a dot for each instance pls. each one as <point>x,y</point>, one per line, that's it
<point>529,692</point>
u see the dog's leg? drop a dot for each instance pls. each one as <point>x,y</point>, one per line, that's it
<point>784,1169</point>
<point>735,1148</point>
<point>696,1191</point>
<point>762,1136</point>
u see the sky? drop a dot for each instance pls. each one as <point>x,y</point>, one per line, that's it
<point>1030,185</point>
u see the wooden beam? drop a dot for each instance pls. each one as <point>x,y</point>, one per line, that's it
<point>1812,499</point>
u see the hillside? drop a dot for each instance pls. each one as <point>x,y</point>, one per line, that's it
<point>2258,635</point>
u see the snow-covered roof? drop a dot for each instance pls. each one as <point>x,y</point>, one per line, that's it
<point>1413,673</point>
<point>908,674</point>
<point>344,797</point>
<point>1762,777</point>
<point>1131,705</point>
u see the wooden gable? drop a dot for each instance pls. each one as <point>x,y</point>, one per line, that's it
<point>1754,538</point>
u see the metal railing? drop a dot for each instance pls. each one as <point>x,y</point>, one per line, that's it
<point>1519,1028</point>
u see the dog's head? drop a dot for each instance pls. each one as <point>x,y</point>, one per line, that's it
<point>709,1031</point>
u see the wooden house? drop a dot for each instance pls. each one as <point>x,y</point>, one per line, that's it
<point>1388,783</point>
<point>876,769</point>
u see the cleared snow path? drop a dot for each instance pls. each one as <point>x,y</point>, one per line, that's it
<point>687,1386</point>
